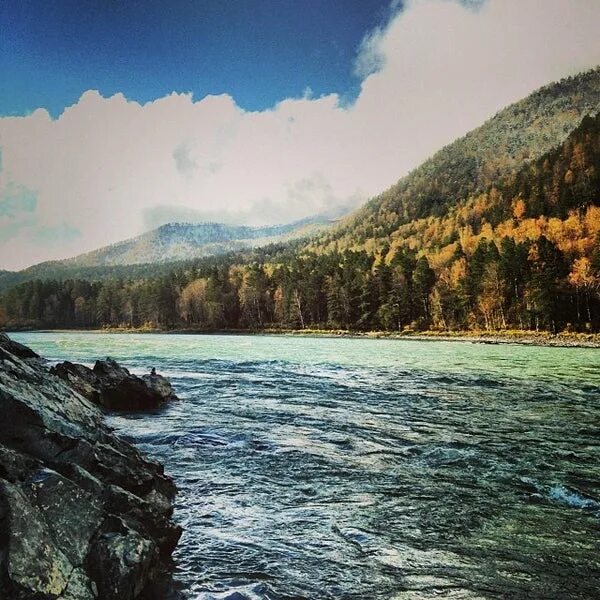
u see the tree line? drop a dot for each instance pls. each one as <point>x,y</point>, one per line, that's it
<point>524,285</point>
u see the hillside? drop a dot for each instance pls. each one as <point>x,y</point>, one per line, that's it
<point>515,136</point>
<point>57,270</point>
<point>184,241</point>
<point>500,230</point>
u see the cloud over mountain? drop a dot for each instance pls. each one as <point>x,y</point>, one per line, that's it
<point>109,167</point>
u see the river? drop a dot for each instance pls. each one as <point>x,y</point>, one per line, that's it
<point>338,468</point>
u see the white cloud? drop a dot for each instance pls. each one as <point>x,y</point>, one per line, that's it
<point>109,167</point>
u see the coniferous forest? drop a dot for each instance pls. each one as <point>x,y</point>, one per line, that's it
<point>520,250</point>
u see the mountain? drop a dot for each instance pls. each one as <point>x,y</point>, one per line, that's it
<point>499,230</point>
<point>156,251</point>
<point>185,241</point>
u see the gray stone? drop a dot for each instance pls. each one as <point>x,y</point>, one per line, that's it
<point>80,587</point>
<point>120,562</point>
<point>33,562</point>
<point>160,385</point>
<point>81,378</point>
<point>62,504</point>
<point>82,513</point>
<point>15,348</point>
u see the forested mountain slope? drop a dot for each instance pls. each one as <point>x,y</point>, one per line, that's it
<point>520,133</point>
<point>59,271</point>
<point>163,249</point>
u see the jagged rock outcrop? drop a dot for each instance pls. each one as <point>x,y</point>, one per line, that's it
<point>113,387</point>
<point>83,516</point>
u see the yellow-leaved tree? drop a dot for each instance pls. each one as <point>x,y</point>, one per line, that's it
<point>585,282</point>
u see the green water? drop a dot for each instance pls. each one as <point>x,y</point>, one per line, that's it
<point>511,360</point>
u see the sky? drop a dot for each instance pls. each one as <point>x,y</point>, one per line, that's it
<point>118,116</point>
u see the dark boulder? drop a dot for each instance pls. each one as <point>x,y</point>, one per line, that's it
<point>159,385</point>
<point>81,378</point>
<point>83,515</point>
<point>121,561</point>
<point>113,387</point>
<point>110,371</point>
<point>15,348</point>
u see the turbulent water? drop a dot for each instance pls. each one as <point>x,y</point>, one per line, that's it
<point>361,469</point>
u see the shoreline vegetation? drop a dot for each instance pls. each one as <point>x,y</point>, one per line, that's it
<point>514,336</point>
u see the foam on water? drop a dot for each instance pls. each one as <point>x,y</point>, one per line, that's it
<point>572,498</point>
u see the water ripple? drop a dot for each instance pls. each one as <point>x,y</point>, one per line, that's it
<point>367,469</point>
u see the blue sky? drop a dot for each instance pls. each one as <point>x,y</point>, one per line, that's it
<point>259,52</point>
<point>117,116</point>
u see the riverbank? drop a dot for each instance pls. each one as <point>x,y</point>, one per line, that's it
<point>530,338</point>
<point>523,337</point>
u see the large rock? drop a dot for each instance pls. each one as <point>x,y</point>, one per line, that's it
<point>15,348</point>
<point>83,516</point>
<point>113,387</point>
<point>81,378</point>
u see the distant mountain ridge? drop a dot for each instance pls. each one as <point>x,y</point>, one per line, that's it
<point>184,241</point>
<point>152,252</point>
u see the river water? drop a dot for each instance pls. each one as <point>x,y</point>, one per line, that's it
<point>322,468</point>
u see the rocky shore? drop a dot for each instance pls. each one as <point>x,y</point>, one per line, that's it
<point>83,516</point>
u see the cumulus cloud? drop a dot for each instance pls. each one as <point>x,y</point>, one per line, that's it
<point>17,207</point>
<point>109,167</point>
